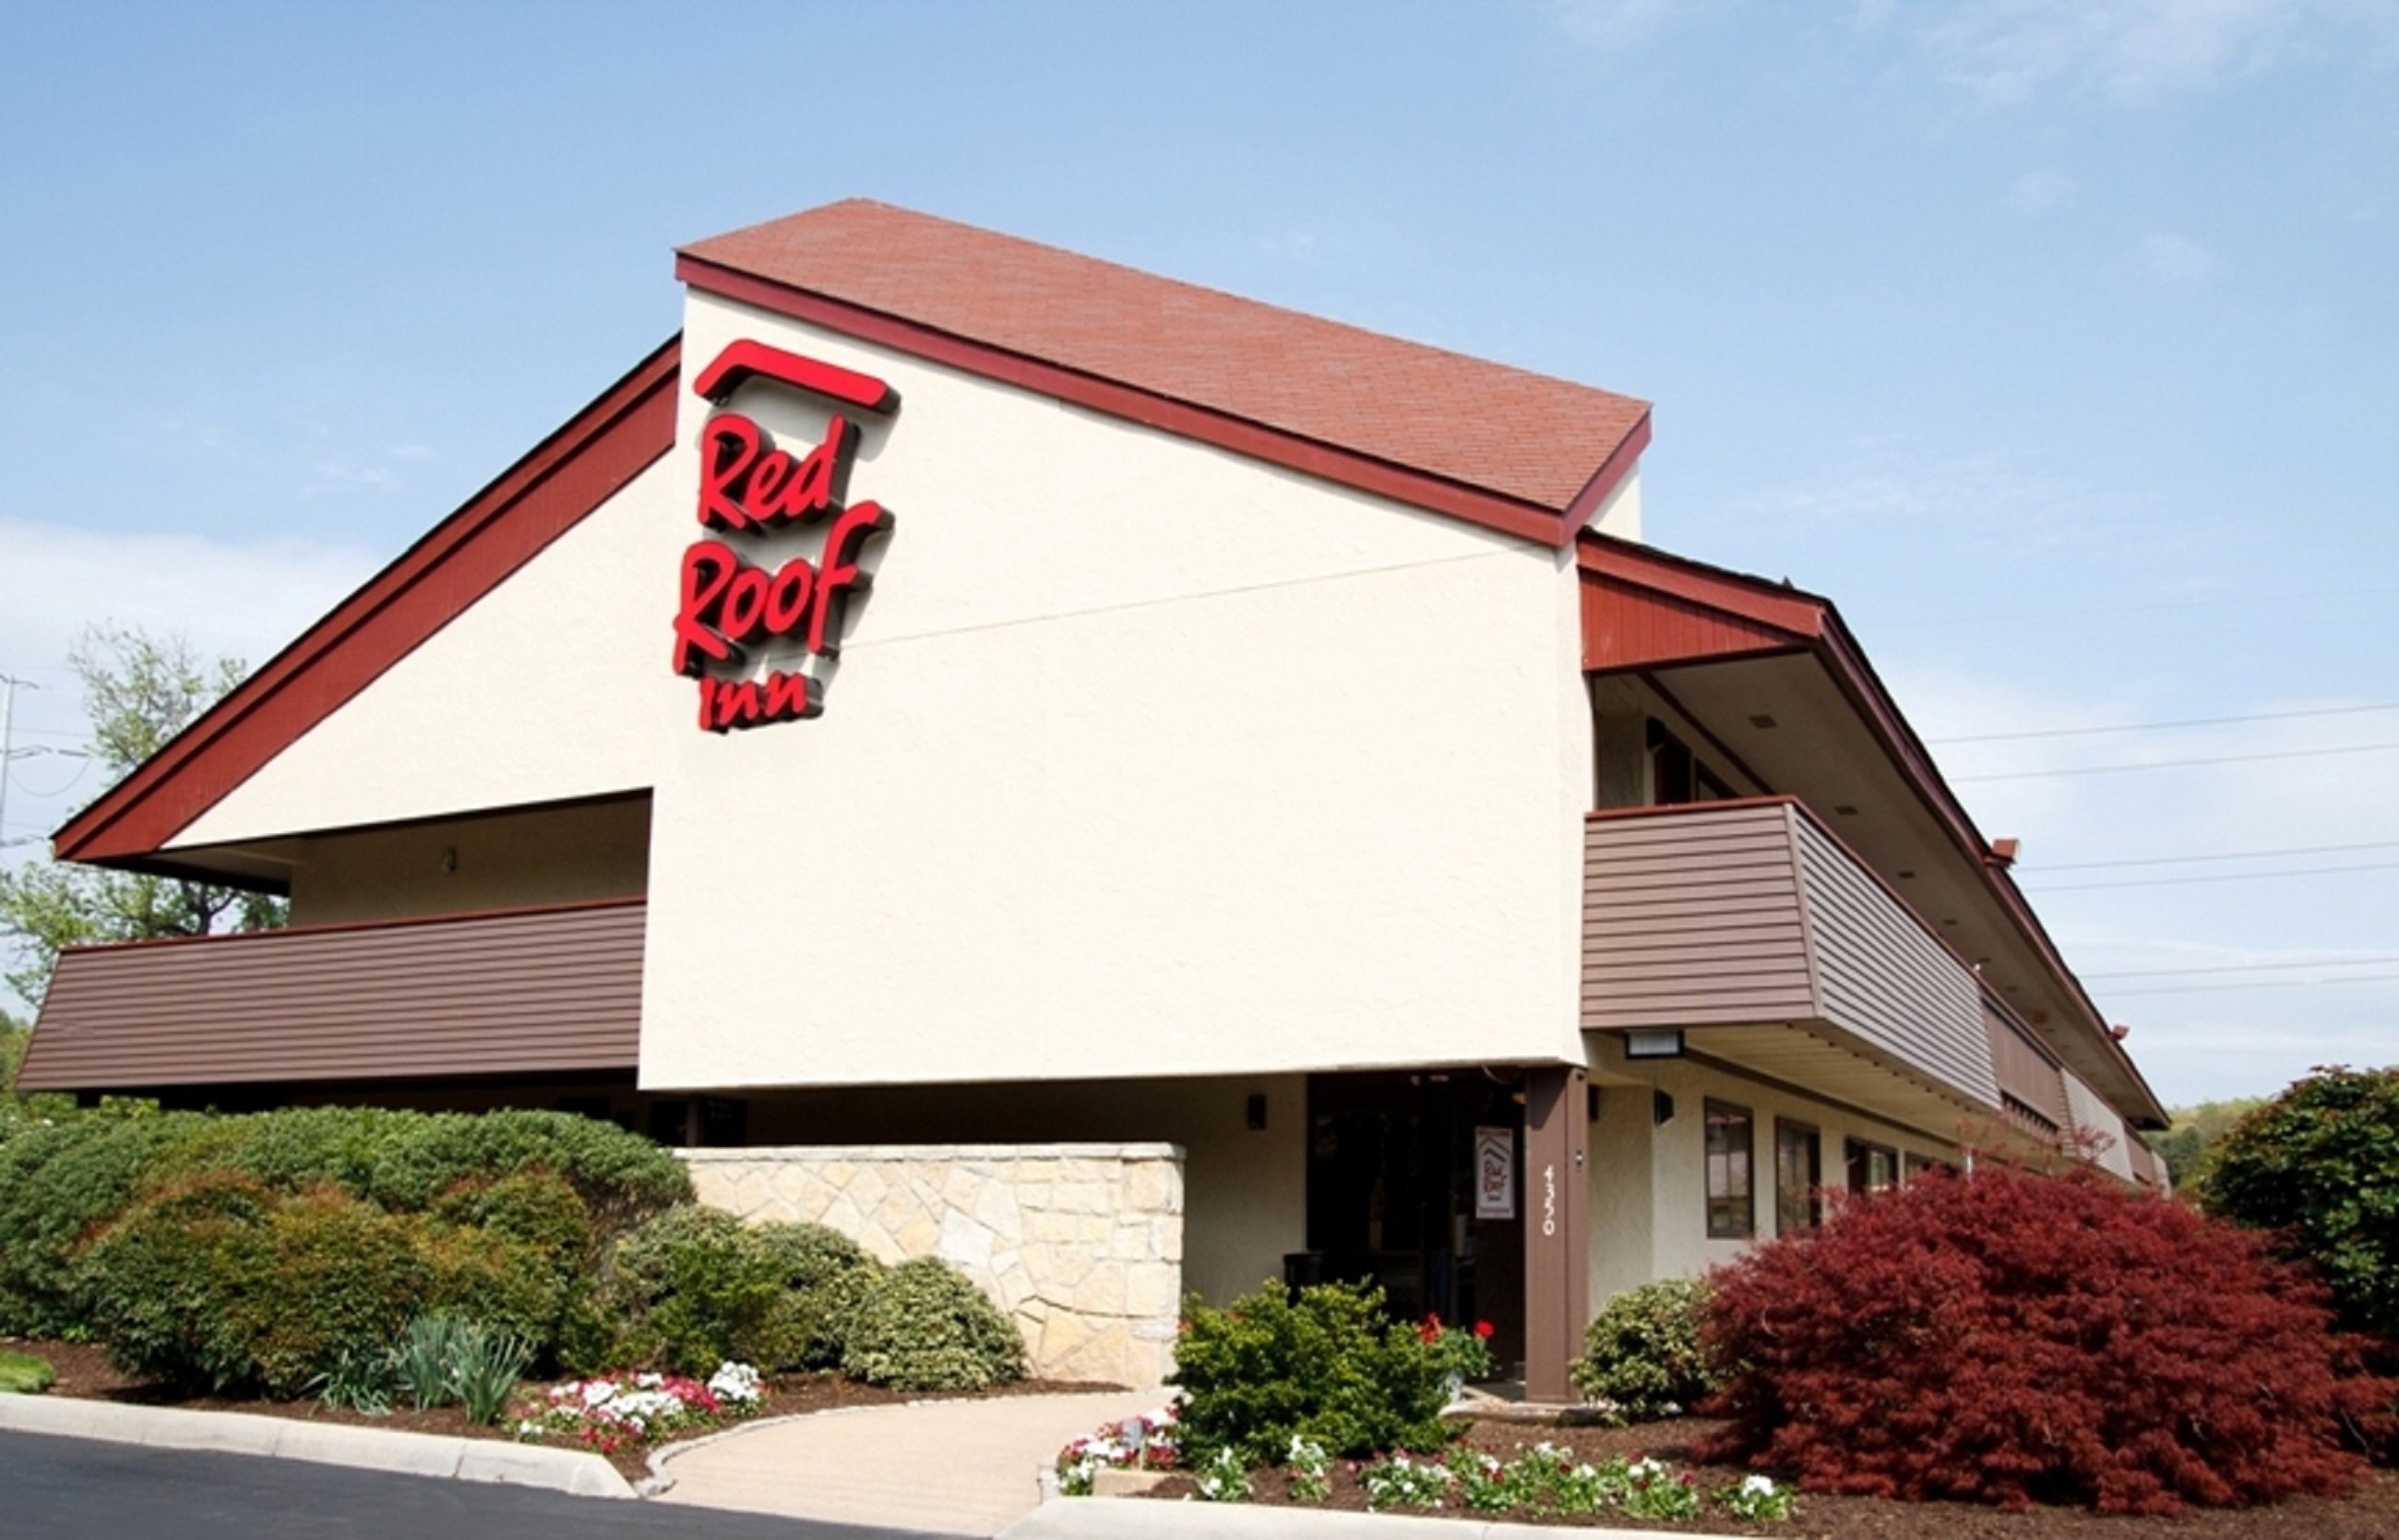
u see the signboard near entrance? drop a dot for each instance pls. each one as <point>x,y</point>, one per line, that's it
<point>1495,1173</point>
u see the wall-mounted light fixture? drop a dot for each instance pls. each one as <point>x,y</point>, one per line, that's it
<point>1654,1042</point>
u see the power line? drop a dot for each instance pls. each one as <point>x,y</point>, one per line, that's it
<point>2240,968</point>
<point>2176,764</point>
<point>2271,983</point>
<point>2112,611</point>
<point>2219,877</point>
<point>2227,856</point>
<point>2157,726</point>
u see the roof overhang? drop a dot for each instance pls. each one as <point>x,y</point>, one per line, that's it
<point>1773,680</point>
<point>565,477</point>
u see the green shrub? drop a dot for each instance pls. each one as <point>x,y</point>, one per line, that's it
<point>57,1183</point>
<point>23,1374</point>
<point>1642,1355</point>
<point>511,1173</point>
<point>219,1283</point>
<point>922,1326</point>
<point>1327,1366</point>
<point>827,1273</point>
<point>2318,1167</point>
<point>515,1254</point>
<point>622,1178</point>
<point>695,1287</point>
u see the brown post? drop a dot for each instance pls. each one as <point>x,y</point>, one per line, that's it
<point>1557,1189</point>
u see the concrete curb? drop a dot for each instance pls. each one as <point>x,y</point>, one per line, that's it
<point>566,1470</point>
<point>1140,1518</point>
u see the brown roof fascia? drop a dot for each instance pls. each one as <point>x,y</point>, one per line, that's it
<point>551,489</point>
<point>1490,509</point>
<point>1815,617</point>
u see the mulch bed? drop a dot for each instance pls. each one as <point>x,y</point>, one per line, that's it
<point>84,1371</point>
<point>2372,1514</point>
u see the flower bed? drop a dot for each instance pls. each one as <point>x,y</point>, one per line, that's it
<point>610,1412</point>
<point>1146,1442</point>
<point>1546,1481</point>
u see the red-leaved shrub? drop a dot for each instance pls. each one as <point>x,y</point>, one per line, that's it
<point>2013,1337</point>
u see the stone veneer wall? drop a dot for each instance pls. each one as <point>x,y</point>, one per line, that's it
<point>1081,1244</point>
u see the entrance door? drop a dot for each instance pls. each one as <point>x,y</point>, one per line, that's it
<point>1391,1194</point>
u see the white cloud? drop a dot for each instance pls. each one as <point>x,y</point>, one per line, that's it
<point>2134,51</point>
<point>1982,499</point>
<point>1614,25</point>
<point>2177,262</point>
<point>2039,193</point>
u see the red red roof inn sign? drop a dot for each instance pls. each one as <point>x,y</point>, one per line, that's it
<point>749,490</point>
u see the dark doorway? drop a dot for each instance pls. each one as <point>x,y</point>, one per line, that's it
<point>1392,1190</point>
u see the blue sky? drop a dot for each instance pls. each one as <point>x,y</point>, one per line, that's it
<point>2058,342</point>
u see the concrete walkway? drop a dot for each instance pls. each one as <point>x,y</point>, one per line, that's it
<point>954,1467</point>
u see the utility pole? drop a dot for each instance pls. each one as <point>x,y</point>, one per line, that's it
<point>10,685</point>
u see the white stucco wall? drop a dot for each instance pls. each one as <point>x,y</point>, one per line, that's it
<point>1141,757</point>
<point>553,686</point>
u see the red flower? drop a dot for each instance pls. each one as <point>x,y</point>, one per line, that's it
<point>1483,1330</point>
<point>1431,1329</point>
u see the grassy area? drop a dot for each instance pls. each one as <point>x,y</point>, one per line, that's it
<point>24,1373</point>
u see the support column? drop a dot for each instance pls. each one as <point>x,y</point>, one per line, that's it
<point>1557,1203</point>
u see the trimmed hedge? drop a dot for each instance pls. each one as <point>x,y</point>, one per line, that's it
<point>219,1282</point>
<point>60,1186</point>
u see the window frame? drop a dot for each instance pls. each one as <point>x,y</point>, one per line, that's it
<point>1726,1228</point>
<point>1857,1158</point>
<point>1813,1199</point>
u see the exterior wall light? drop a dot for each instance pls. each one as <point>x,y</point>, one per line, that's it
<point>1654,1042</point>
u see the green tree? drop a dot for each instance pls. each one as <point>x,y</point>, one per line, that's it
<point>2319,1166</point>
<point>2194,1133</point>
<point>138,692</point>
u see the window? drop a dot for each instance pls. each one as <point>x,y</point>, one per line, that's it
<point>1677,776</point>
<point>1798,1176</point>
<point>1732,1211</point>
<point>1871,1166</point>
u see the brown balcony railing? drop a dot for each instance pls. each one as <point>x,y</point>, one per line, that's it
<point>1749,914</point>
<point>519,991</point>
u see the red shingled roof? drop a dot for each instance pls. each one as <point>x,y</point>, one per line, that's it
<point>1540,443</point>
